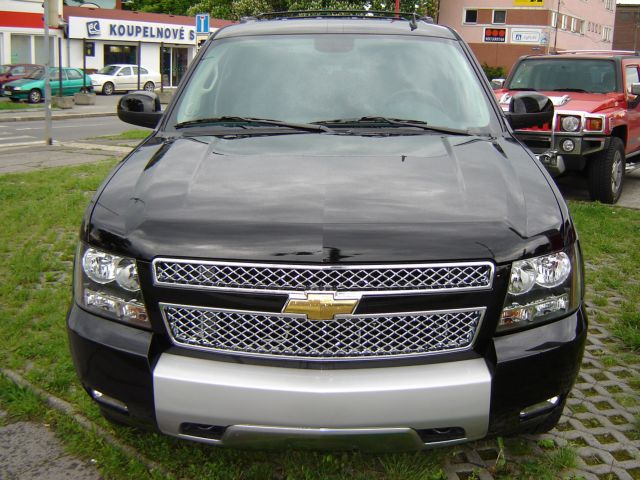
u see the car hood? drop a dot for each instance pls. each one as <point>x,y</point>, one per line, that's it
<point>22,82</point>
<point>570,101</point>
<point>328,198</point>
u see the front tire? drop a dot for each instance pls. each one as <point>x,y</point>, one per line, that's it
<point>606,173</point>
<point>34,96</point>
<point>107,88</point>
<point>149,87</point>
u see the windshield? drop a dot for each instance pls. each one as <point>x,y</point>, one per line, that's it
<point>579,75</point>
<point>316,78</point>
<point>108,70</point>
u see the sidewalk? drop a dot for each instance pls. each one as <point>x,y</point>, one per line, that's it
<point>104,106</point>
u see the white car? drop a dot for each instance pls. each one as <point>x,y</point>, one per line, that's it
<point>123,77</point>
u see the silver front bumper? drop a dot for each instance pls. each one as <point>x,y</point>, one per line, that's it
<point>254,403</point>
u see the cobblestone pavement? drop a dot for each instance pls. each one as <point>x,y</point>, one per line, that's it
<point>599,420</point>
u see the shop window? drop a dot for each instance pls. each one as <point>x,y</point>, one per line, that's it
<point>471,16</point>
<point>500,16</point>
<point>41,56</point>
<point>120,54</point>
<point>20,48</point>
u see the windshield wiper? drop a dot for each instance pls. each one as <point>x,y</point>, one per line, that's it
<point>263,121</point>
<point>569,90</point>
<point>395,122</point>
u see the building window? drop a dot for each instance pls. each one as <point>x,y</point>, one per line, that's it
<point>606,34</point>
<point>609,4</point>
<point>471,16</point>
<point>574,24</point>
<point>564,22</point>
<point>583,24</point>
<point>500,16</point>
<point>554,19</point>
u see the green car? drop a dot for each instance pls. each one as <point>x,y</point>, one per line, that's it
<point>31,87</point>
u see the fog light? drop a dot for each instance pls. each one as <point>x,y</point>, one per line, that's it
<point>109,401</point>
<point>537,408</point>
<point>568,145</point>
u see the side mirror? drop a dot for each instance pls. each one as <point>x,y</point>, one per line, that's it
<point>529,109</point>
<point>635,89</point>
<point>140,108</point>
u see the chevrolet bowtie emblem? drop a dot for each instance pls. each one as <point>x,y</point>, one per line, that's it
<point>320,306</point>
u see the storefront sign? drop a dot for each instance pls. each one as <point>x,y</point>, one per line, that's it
<point>107,29</point>
<point>528,3</point>
<point>526,35</point>
<point>495,35</point>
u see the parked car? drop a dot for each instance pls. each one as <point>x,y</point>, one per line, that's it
<point>123,77</point>
<point>31,86</point>
<point>597,119</point>
<point>497,83</point>
<point>326,242</point>
<point>9,73</point>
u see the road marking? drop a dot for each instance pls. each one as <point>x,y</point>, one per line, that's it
<point>13,137</point>
<point>23,144</point>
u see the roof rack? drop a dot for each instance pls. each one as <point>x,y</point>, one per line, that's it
<point>367,14</point>
<point>614,52</point>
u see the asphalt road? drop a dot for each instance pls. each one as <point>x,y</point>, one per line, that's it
<point>62,130</point>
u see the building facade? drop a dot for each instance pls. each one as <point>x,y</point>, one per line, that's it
<point>501,31</point>
<point>164,43</point>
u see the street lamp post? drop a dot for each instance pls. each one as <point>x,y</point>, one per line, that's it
<point>47,82</point>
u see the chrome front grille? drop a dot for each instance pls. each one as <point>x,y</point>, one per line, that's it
<point>346,337</point>
<point>370,279</point>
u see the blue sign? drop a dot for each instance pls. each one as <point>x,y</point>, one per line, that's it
<point>202,23</point>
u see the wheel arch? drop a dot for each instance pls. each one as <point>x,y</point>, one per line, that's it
<point>620,132</point>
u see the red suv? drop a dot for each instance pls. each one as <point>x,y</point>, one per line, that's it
<point>596,126</point>
<point>9,73</point>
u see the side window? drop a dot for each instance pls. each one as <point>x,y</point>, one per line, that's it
<point>73,74</point>
<point>135,70</point>
<point>125,71</point>
<point>471,16</point>
<point>631,76</point>
<point>54,74</point>
<point>143,71</point>
<point>19,70</point>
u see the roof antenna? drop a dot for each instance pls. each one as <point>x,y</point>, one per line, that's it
<point>413,23</point>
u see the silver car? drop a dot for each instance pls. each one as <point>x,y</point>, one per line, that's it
<point>124,77</point>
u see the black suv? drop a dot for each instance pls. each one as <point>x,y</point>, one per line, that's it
<point>331,238</point>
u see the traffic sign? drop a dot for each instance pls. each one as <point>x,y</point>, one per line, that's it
<point>202,23</point>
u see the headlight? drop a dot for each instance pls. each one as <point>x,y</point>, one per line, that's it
<point>542,289</point>
<point>570,123</point>
<point>108,285</point>
<point>17,88</point>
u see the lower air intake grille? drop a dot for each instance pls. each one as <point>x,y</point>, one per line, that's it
<point>346,337</point>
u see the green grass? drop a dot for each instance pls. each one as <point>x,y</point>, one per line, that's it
<point>15,105</point>
<point>129,135</point>
<point>612,256</point>
<point>41,214</point>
